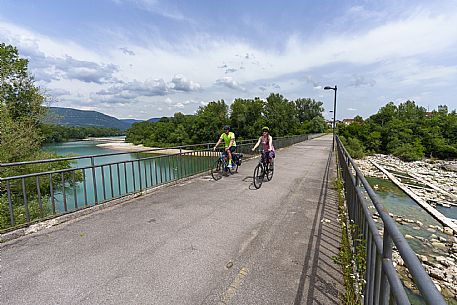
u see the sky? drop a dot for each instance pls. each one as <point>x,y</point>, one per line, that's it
<point>151,58</point>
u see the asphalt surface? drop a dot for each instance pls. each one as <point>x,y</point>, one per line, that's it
<point>198,242</point>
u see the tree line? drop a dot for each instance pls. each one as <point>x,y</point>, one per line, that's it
<point>246,117</point>
<point>407,131</point>
<point>59,133</point>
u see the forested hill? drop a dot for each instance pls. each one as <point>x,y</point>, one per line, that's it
<point>83,118</point>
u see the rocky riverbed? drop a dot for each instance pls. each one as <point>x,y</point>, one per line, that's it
<point>435,245</point>
<point>422,177</point>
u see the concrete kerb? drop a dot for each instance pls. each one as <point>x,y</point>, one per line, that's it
<point>79,214</point>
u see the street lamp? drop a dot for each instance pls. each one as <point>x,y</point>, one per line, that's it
<point>334,114</point>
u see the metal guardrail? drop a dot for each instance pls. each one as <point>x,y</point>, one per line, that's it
<point>46,194</point>
<point>383,285</point>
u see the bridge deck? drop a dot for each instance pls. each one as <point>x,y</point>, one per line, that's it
<point>198,242</point>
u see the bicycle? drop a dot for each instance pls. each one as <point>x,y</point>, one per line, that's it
<point>265,168</point>
<point>220,167</point>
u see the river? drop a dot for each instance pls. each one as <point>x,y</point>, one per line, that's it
<point>126,177</point>
<point>400,204</point>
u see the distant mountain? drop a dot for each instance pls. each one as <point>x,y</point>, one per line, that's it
<point>133,121</point>
<point>83,118</point>
<point>130,121</point>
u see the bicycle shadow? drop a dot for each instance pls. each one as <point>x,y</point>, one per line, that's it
<point>251,186</point>
<point>249,179</point>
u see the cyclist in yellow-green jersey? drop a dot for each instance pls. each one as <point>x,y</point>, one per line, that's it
<point>229,143</point>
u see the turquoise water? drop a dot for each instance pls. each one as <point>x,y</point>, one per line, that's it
<point>130,173</point>
<point>448,212</point>
<point>400,204</point>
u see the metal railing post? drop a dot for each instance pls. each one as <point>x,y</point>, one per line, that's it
<point>94,180</point>
<point>10,202</point>
<point>386,254</point>
<point>180,164</point>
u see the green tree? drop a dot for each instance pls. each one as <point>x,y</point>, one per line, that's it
<point>21,108</point>
<point>317,124</point>
<point>21,111</point>
<point>280,115</point>
<point>409,151</point>
<point>209,122</point>
<point>354,147</point>
<point>246,117</point>
<point>407,131</point>
<point>307,109</point>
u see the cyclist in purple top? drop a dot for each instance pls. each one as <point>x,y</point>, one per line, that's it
<point>267,143</point>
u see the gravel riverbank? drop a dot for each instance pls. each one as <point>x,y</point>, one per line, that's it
<point>434,181</point>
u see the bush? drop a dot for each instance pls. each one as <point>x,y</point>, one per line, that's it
<point>355,148</point>
<point>35,212</point>
<point>410,152</point>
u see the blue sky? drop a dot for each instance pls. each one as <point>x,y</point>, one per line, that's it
<point>152,58</point>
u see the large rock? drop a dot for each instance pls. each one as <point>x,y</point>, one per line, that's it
<point>437,274</point>
<point>448,231</point>
<point>439,246</point>
<point>443,261</point>
<point>423,258</point>
<point>449,167</point>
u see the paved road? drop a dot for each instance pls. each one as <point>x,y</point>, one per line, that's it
<point>198,242</point>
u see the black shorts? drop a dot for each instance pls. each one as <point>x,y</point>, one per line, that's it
<point>232,148</point>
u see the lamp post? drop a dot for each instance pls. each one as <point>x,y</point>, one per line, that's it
<point>334,113</point>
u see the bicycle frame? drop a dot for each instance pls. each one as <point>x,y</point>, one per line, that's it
<point>265,158</point>
<point>263,169</point>
<point>223,156</point>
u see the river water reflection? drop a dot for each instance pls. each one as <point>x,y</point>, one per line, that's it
<point>129,173</point>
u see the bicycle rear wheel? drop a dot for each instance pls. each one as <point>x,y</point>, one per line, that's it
<point>258,176</point>
<point>217,170</point>
<point>270,170</point>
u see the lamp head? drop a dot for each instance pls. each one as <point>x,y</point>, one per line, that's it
<point>328,88</point>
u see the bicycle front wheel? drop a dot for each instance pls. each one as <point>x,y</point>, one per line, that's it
<point>258,176</point>
<point>217,170</point>
<point>270,170</point>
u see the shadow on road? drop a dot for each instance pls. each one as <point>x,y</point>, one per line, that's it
<point>320,273</point>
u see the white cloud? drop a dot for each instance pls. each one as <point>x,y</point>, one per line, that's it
<point>229,82</point>
<point>131,90</point>
<point>389,56</point>
<point>360,80</point>
<point>180,83</point>
<point>57,92</point>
